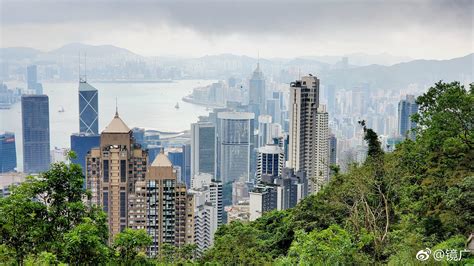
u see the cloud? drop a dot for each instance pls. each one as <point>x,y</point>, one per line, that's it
<point>326,21</point>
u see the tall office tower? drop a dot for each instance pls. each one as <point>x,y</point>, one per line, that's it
<point>234,140</point>
<point>263,199</point>
<point>81,144</point>
<point>88,108</point>
<point>7,152</point>
<point>35,122</point>
<point>203,143</point>
<point>113,169</point>
<point>32,80</point>
<point>331,96</point>
<point>270,161</point>
<point>257,89</point>
<point>176,156</point>
<point>31,77</point>
<point>273,109</point>
<point>187,164</point>
<point>303,107</point>
<point>264,130</point>
<point>320,162</point>
<point>332,149</point>
<point>407,108</point>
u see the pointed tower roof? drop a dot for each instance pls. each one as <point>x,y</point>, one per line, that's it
<point>257,73</point>
<point>116,126</point>
<point>162,160</point>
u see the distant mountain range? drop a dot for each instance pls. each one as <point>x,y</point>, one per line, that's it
<point>375,71</point>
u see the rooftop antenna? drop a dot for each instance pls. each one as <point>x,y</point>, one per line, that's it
<point>79,65</point>
<point>85,67</point>
<point>116,107</point>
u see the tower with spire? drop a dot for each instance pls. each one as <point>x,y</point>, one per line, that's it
<point>257,89</point>
<point>88,106</point>
<point>113,170</point>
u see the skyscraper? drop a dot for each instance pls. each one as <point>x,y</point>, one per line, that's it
<point>270,161</point>
<point>264,131</point>
<point>81,144</point>
<point>257,89</point>
<point>7,152</point>
<point>203,137</point>
<point>407,108</point>
<point>304,123</point>
<point>320,161</point>
<point>35,124</point>
<point>32,80</point>
<point>235,130</point>
<point>88,108</point>
<point>113,170</point>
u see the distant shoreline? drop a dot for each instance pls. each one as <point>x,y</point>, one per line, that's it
<point>191,100</point>
<point>132,81</point>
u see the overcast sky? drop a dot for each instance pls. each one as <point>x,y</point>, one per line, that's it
<point>417,28</point>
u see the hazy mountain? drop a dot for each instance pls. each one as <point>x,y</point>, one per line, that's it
<point>362,59</point>
<point>421,72</point>
<point>103,51</point>
<point>18,53</point>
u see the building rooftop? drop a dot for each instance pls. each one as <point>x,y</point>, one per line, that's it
<point>162,160</point>
<point>116,126</point>
<point>84,86</point>
<point>270,149</point>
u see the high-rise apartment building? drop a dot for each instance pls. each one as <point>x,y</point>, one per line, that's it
<point>7,152</point>
<point>320,161</point>
<point>113,170</point>
<point>234,140</point>
<point>88,108</point>
<point>203,142</point>
<point>35,126</point>
<point>303,105</point>
<point>270,161</point>
<point>407,108</point>
<point>264,130</point>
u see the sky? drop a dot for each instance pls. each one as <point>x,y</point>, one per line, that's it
<point>414,28</point>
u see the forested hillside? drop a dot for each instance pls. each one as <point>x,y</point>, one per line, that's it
<point>383,211</point>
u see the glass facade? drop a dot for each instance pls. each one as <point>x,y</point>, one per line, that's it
<point>88,109</point>
<point>7,152</point>
<point>81,144</point>
<point>35,122</point>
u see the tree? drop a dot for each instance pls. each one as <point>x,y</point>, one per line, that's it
<point>332,246</point>
<point>129,243</point>
<point>85,244</point>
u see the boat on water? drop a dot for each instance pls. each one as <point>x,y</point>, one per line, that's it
<point>177,105</point>
<point>61,110</point>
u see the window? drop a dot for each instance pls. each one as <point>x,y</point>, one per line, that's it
<point>123,171</point>
<point>105,201</point>
<point>106,170</point>
<point>122,204</point>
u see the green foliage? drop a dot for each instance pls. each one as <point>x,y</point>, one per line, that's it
<point>383,211</point>
<point>129,244</point>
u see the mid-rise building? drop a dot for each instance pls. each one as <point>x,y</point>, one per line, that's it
<point>235,144</point>
<point>35,126</point>
<point>7,152</point>
<point>270,161</point>
<point>264,130</point>
<point>263,199</point>
<point>407,108</point>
